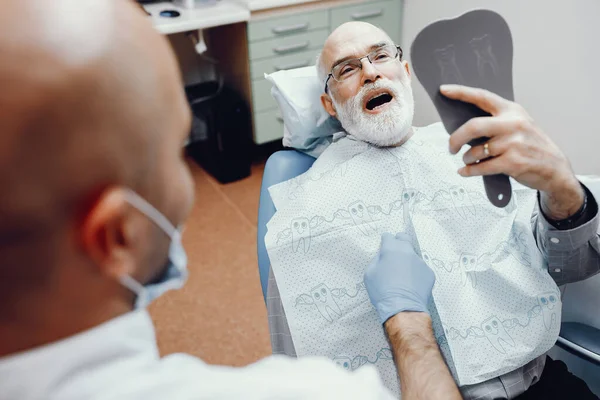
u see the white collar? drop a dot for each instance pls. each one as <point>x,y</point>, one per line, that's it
<point>39,372</point>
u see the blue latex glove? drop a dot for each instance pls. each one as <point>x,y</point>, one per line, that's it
<point>398,279</point>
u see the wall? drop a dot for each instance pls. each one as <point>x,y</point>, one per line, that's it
<point>556,61</point>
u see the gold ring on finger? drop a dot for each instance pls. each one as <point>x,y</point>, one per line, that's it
<point>486,149</point>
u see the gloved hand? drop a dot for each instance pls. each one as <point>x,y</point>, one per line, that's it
<point>398,279</point>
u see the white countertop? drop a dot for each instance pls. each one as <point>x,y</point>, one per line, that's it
<point>255,5</point>
<point>225,12</point>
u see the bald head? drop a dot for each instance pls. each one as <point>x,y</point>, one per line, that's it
<point>345,37</point>
<point>81,84</point>
<point>91,104</point>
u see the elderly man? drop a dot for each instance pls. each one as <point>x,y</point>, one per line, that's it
<point>95,188</point>
<point>367,86</point>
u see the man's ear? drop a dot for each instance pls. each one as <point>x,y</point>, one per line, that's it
<point>108,232</point>
<point>328,105</point>
<point>406,67</point>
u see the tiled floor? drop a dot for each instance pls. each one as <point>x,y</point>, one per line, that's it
<point>220,314</point>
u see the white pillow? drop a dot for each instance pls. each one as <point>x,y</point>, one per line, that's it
<point>308,127</point>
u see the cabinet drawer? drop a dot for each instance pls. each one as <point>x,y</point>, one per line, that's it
<point>383,14</point>
<point>288,25</point>
<point>261,95</point>
<point>268,126</point>
<point>291,61</point>
<point>288,45</point>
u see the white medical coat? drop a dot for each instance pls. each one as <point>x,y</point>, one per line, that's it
<point>119,360</point>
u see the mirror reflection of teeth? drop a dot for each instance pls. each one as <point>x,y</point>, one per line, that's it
<point>482,47</point>
<point>446,59</point>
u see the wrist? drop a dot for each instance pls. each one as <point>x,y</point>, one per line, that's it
<point>563,200</point>
<point>401,303</point>
<point>409,323</point>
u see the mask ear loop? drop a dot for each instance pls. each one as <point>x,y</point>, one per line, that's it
<point>135,287</point>
<point>173,233</point>
<point>151,212</point>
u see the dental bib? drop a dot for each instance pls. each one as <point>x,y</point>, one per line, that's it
<point>494,306</point>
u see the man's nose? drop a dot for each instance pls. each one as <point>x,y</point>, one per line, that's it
<point>369,73</point>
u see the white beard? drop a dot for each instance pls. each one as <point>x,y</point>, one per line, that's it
<point>387,128</point>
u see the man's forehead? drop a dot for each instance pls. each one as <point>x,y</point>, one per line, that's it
<point>353,41</point>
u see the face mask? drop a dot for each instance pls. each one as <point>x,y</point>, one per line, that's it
<point>175,273</point>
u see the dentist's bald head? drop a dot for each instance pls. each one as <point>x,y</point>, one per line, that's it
<point>91,103</point>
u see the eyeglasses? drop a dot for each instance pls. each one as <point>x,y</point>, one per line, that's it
<point>349,68</point>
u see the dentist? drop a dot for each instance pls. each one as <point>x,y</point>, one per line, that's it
<point>95,189</point>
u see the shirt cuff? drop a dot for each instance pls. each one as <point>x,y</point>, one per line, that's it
<point>570,239</point>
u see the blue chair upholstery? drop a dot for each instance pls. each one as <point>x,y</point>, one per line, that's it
<point>280,167</point>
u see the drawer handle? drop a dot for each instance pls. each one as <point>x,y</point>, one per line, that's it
<point>292,66</point>
<point>290,28</point>
<point>367,14</point>
<point>292,47</point>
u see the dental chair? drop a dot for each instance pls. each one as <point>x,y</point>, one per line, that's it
<point>281,166</point>
<point>579,341</point>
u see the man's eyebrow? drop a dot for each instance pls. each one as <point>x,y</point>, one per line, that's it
<point>350,57</point>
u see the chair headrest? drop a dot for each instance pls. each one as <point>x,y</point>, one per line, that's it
<point>308,127</point>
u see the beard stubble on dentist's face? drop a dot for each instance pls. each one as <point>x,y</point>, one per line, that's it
<point>384,121</point>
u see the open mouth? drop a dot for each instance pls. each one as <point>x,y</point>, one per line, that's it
<point>378,101</point>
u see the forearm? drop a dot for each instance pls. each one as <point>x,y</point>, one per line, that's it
<point>422,370</point>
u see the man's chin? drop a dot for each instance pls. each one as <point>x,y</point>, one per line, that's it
<point>392,142</point>
<point>385,139</point>
<point>384,133</point>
